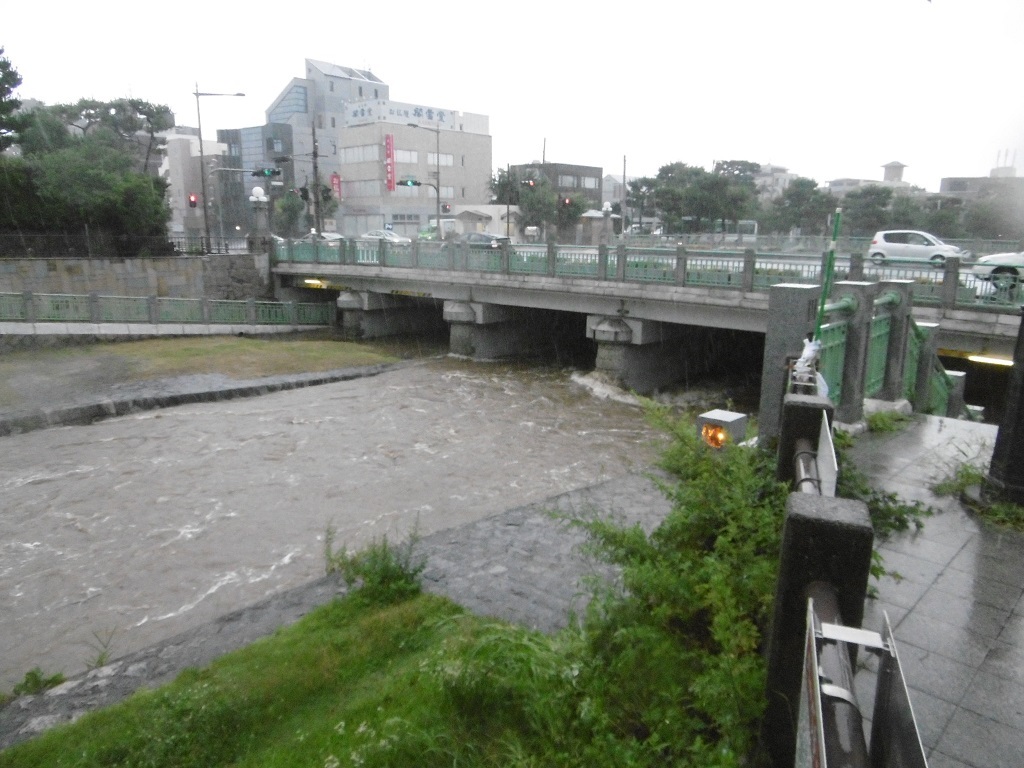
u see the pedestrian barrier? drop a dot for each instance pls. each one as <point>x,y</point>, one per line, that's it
<point>31,307</point>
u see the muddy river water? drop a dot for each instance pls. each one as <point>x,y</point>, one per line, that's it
<point>116,535</point>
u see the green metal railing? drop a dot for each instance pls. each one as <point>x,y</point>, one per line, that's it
<point>878,354</point>
<point>73,308</point>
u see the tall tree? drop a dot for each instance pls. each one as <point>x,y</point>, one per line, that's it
<point>640,197</point>
<point>866,210</point>
<point>11,122</point>
<point>802,205</point>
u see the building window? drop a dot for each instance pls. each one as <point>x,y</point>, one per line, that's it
<point>332,119</point>
<point>446,160</point>
<point>407,156</point>
<point>590,182</point>
<point>567,182</point>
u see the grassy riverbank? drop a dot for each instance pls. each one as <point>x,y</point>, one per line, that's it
<point>52,377</point>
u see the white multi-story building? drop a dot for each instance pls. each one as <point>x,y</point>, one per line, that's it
<point>366,143</point>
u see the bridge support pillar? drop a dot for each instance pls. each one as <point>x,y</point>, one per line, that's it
<point>368,315</point>
<point>633,353</point>
<point>492,331</point>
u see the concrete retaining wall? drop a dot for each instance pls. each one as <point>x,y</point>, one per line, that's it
<point>233,276</point>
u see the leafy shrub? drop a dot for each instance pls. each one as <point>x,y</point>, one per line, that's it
<point>382,573</point>
<point>35,681</point>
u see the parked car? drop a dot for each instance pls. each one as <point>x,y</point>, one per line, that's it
<point>330,239</point>
<point>1003,270</point>
<point>387,234</point>
<point>479,240</point>
<point>911,245</point>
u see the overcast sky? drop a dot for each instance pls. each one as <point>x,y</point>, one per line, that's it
<point>826,89</point>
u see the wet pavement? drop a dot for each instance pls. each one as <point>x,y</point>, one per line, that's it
<point>957,608</point>
<point>957,612</point>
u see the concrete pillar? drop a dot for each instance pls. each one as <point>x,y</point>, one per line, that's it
<point>956,404</point>
<point>368,315</point>
<point>792,311</point>
<point>634,354</point>
<point>950,282</point>
<point>823,540</point>
<point>801,419</point>
<point>899,330</point>
<point>858,339</point>
<point>1006,471</point>
<point>492,331</point>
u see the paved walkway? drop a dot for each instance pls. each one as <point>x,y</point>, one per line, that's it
<point>957,613</point>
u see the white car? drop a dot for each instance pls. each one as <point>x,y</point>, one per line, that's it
<point>387,234</point>
<point>1002,269</point>
<point>330,239</point>
<point>911,245</point>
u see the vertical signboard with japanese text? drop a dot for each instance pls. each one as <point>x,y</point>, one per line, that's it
<point>336,186</point>
<point>389,161</point>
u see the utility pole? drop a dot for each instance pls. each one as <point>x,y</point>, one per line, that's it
<point>318,219</point>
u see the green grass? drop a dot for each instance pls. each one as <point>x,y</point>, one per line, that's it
<point>986,504</point>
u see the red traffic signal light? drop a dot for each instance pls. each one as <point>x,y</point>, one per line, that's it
<point>528,183</point>
<point>193,200</point>
<point>566,201</point>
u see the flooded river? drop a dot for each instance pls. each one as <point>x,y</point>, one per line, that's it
<point>117,535</point>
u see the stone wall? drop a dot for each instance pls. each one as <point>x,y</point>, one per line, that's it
<point>216,276</point>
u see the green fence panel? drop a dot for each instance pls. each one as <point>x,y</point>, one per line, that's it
<point>399,255</point>
<point>878,354</point>
<point>478,260</point>
<point>915,342</point>
<point>123,309</point>
<point>319,313</point>
<point>12,307</point>
<point>179,310</point>
<point>651,270</point>
<point>272,313</point>
<point>939,388</point>
<point>228,312</point>
<point>832,357</point>
<point>61,308</point>
<point>528,262</point>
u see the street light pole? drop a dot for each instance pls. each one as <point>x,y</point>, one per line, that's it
<point>437,171</point>
<point>202,157</point>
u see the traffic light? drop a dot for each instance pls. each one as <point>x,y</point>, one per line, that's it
<point>446,208</point>
<point>407,183</point>
<point>528,183</point>
<point>193,199</point>
<point>266,173</point>
<point>566,201</point>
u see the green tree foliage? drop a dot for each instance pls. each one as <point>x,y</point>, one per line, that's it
<point>866,211</point>
<point>803,206</point>
<point>91,183</point>
<point>88,165</point>
<point>640,197</point>
<point>287,213</point>
<point>10,121</point>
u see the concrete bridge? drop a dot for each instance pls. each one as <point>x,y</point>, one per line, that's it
<point>634,300</point>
